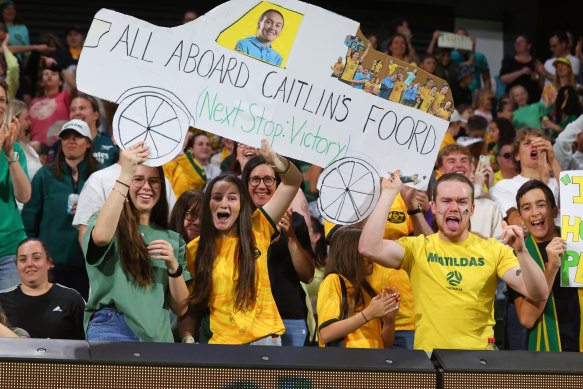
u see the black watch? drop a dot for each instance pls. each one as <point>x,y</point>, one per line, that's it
<point>415,211</point>
<point>177,273</point>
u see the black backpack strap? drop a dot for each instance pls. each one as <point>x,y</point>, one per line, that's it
<point>340,342</point>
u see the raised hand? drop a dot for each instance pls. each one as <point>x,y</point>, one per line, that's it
<point>131,157</point>
<point>163,251</point>
<point>555,250</point>
<point>513,236</point>
<point>393,183</point>
<point>10,136</point>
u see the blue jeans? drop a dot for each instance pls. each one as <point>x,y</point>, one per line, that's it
<point>269,340</point>
<point>404,340</point>
<point>8,274</point>
<point>296,332</point>
<point>110,324</point>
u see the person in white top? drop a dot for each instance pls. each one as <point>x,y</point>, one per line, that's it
<point>97,187</point>
<point>487,218</point>
<point>19,109</point>
<point>568,159</point>
<point>533,154</point>
<point>558,42</point>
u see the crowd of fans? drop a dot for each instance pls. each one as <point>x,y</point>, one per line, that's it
<point>224,244</point>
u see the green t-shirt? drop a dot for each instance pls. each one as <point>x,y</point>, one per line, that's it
<point>11,227</point>
<point>145,308</point>
<point>530,116</point>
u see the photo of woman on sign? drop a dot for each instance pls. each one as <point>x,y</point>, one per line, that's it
<point>269,27</point>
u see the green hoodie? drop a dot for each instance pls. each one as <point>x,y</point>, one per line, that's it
<point>45,215</point>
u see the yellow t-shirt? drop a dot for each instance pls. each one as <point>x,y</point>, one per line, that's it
<point>367,86</point>
<point>442,113</point>
<point>222,323</point>
<point>437,102</point>
<point>426,101</point>
<point>454,285</point>
<point>338,68</point>
<point>350,69</point>
<point>375,89</point>
<point>383,276</point>
<point>447,140</point>
<point>392,68</point>
<point>184,173</point>
<point>397,92</point>
<point>330,311</point>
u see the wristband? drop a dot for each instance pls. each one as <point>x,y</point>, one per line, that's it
<point>415,211</point>
<point>123,183</point>
<point>177,273</point>
<point>362,312</point>
<point>184,339</point>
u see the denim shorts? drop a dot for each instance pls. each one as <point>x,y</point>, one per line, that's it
<point>109,324</point>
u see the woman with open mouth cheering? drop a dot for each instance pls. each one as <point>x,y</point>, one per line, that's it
<point>232,291</point>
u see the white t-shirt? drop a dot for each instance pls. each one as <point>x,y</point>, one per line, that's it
<point>504,192</point>
<point>98,186</point>
<point>211,170</point>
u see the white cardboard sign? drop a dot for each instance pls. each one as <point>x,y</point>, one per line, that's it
<point>571,197</point>
<point>318,94</point>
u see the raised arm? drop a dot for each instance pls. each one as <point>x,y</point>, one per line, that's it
<point>20,181</point>
<point>372,245</point>
<point>108,218</point>
<point>529,311</point>
<point>291,179</point>
<point>431,47</point>
<point>420,225</point>
<point>529,279</point>
<point>302,259</point>
<point>67,76</point>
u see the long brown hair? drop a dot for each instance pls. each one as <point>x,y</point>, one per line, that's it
<point>183,204</point>
<point>344,259</point>
<point>207,250</point>
<point>58,166</point>
<point>133,250</point>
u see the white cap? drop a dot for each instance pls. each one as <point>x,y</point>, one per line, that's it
<point>455,117</point>
<point>78,126</point>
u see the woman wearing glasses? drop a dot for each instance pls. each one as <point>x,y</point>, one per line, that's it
<point>291,259</point>
<point>136,266</point>
<point>185,217</point>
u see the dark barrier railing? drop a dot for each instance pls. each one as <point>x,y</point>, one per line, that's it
<point>39,363</point>
<point>43,363</point>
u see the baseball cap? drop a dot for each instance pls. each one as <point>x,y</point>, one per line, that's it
<point>78,126</point>
<point>562,60</point>
<point>456,117</point>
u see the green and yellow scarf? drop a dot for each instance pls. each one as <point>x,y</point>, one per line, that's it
<point>544,336</point>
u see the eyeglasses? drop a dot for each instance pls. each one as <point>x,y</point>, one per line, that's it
<point>139,182</point>
<point>191,216</point>
<point>255,181</point>
<point>507,155</point>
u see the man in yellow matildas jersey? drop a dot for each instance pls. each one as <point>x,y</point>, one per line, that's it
<point>453,272</point>
<point>352,63</point>
<point>398,89</point>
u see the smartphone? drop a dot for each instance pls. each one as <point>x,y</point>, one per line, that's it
<point>484,161</point>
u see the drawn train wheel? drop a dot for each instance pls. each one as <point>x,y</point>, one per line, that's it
<point>152,119</point>
<point>349,189</point>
